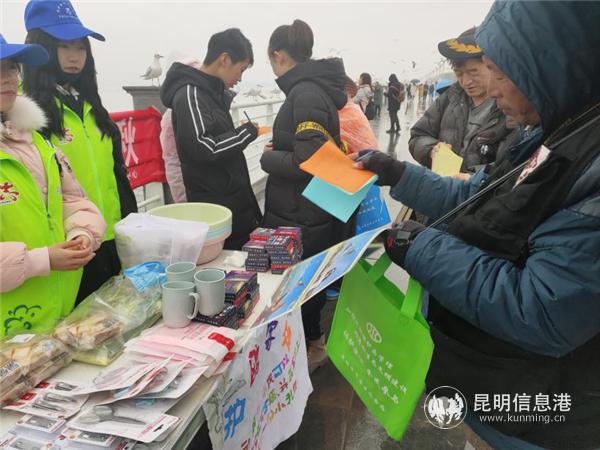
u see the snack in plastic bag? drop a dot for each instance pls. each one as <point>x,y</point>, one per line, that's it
<point>31,351</point>
<point>15,390</point>
<point>109,350</point>
<point>90,331</point>
<point>10,371</point>
<point>120,309</point>
<point>28,359</point>
<point>50,368</point>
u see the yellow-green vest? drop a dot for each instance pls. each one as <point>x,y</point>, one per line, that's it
<point>24,217</point>
<point>91,158</point>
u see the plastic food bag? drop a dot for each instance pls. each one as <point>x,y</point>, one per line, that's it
<point>355,129</point>
<point>123,306</point>
<point>143,237</point>
<point>26,360</point>
<point>31,351</point>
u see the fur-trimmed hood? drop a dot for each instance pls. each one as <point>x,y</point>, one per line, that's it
<point>24,116</point>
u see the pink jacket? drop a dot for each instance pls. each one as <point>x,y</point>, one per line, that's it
<point>355,129</point>
<point>171,159</point>
<point>169,149</point>
<point>81,217</point>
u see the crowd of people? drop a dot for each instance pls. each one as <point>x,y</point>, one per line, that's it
<point>512,273</point>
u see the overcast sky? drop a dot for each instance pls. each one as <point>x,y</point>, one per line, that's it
<point>375,37</point>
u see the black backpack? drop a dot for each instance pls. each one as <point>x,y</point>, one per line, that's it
<point>370,111</point>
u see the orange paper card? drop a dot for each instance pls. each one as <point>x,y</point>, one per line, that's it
<point>264,130</point>
<point>331,165</point>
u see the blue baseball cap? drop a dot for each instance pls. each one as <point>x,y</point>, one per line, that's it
<point>30,54</point>
<point>57,18</point>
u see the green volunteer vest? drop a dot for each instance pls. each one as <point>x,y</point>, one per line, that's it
<point>39,302</point>
<point>91,158</point>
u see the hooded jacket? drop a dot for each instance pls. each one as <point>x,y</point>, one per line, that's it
<point>314,93</point>
<point>18,262</point>
<point>446,121</point>
<point>505,326</point>
<point>210,148</point>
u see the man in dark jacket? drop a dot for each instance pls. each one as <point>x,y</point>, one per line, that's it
<point>513,277</point>
<point>210,148</point>
<point>464,116</point>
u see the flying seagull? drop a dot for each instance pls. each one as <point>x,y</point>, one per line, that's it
<point>154,71</point>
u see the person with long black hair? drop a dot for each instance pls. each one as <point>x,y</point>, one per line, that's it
<point>49,229</point>
<point>395,96</point>
<point>67,90</point>
<point>307,119</point>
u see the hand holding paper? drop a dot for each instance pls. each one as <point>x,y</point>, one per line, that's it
<point>444,161</point>
<point>332,166</point>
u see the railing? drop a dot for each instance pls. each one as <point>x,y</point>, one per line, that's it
<point>269,116</point>
<point>155,194</point>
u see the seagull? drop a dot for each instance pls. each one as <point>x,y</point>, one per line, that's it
<point>153,71</point>
<point>254,93</point>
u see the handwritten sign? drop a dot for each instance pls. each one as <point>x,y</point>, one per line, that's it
<point>267,386</point>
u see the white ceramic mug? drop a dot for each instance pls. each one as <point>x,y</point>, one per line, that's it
<point>181,271</point>
<point>179,303</point>
<point>210,285</point>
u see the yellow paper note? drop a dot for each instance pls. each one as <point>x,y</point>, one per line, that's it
<point>445,162</point>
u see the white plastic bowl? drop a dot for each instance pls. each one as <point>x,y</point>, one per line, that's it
<point>218,218</point>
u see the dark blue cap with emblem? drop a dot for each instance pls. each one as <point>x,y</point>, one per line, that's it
<point>57,18</point>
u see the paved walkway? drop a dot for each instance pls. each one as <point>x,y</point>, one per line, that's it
<point>335,418</point>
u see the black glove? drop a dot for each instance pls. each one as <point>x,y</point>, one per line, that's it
<point>399,238</point>
<point>251,128</point>
<point>387,168</point>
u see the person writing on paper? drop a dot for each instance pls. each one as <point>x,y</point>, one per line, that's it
<point>314,91</point>
<point>49,229</point>
<point>513,278</point>
<point>463,117</point>
<point>209,145</point>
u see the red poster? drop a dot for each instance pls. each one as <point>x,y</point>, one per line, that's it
<point>142,152</point>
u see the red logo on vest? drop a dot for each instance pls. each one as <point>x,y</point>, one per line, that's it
<point>7,194</point>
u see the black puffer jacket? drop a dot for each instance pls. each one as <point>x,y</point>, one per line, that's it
<point>210,148</point>
<point>446,121</point>
<point>314,92</point>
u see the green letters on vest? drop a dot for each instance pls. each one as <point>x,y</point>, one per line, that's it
<point>39,302</point>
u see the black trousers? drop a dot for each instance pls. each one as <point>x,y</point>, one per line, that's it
<point>105,264</point>
<point>395,122</point>
<point>311,316</point>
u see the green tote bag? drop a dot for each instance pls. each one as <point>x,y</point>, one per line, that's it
<point>381,343</point>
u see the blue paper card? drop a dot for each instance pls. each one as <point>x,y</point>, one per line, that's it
<point>334,200</point>
<point>373,212</point>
